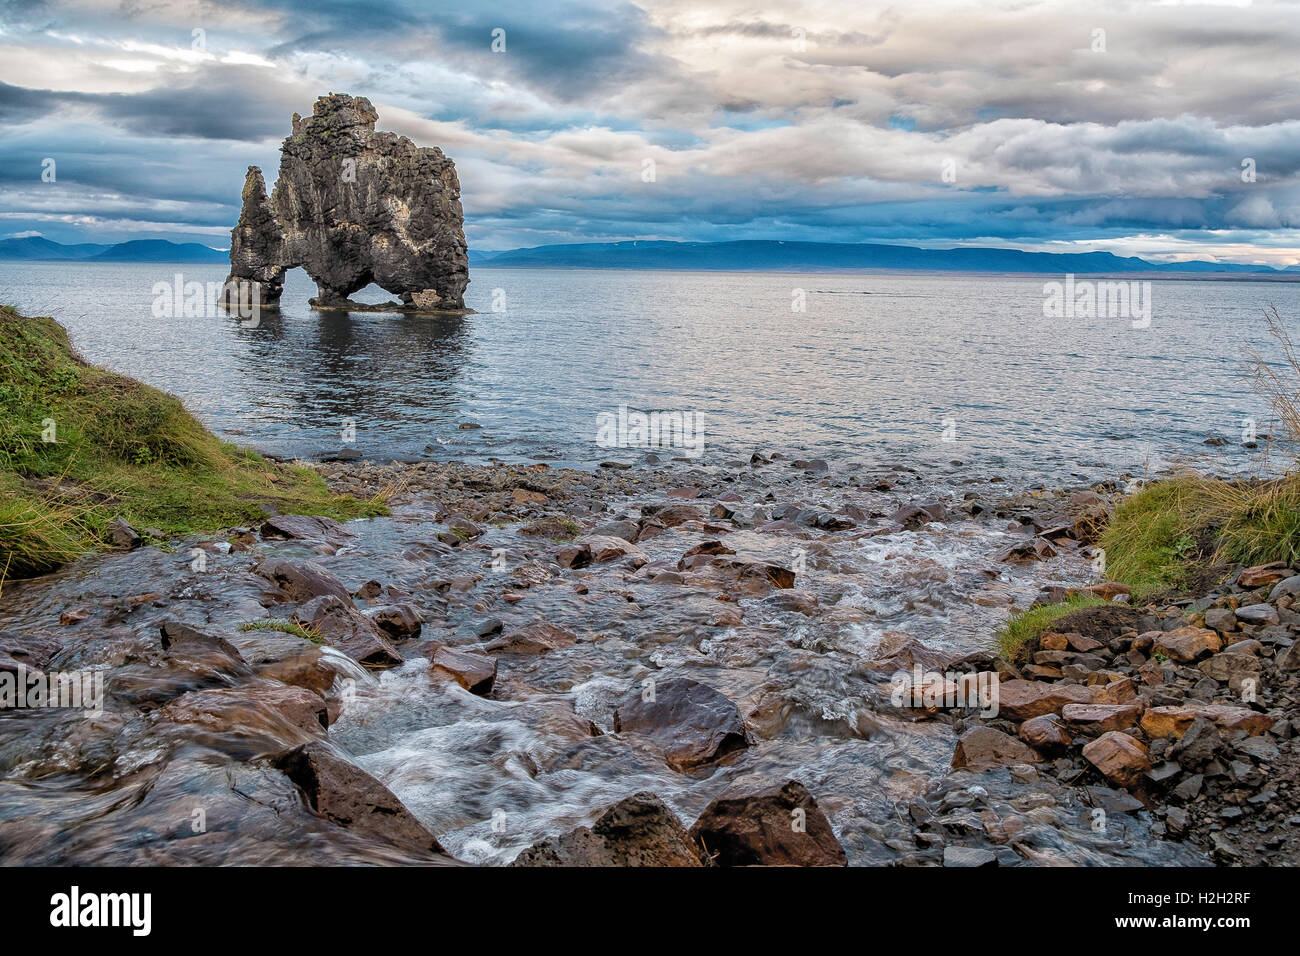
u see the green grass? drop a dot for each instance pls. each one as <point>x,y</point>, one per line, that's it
<point>1152,539</point>
<point>1031,622</point>
<point>288,627</point>
<point>119,448</point>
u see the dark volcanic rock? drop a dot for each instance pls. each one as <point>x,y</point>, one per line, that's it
<point>761,822</point>
<point>636,831</point>
<point>342,792</point>
<point>690,722</point>
<point>346,628</point>
<point>354,206</point>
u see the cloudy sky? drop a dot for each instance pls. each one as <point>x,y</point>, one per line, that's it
<point>1102,125</point>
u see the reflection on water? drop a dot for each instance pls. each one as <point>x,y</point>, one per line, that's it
<point>886,365</point>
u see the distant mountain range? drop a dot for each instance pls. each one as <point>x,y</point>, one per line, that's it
<point>776,256</point>
<point>40,249</point>
<point>749,255</point>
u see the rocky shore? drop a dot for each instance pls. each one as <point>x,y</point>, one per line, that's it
<point>650,663</point>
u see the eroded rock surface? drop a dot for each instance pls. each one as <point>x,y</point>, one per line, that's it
<point>353,206</point>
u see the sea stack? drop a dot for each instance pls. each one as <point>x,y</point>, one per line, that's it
<point>354,206</point>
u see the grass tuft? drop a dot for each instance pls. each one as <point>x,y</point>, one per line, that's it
<point>287,627</point>
<point>1031,622</point>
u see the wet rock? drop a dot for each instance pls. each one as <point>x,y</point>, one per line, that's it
<point>966,856</point>
<point>475,672</point>
<point>627,530</point>
<point>804,602</point>
<point>181,640</point>
<point>32,651</point>
<point>674,515</point>
<point>401,622</point>
<point>302,580</point>
<point>346,628</point>
<point>1120,758</point>
<point>690,722</point>
<point>304,528</point>
<point>537,637</point>
<point>760,822</point>
<point>607,548</point>
<point>983,747</point>
<point>1035,549</point>
<point>273,715</point>
<point>345,794</point>
<point>637,831</point>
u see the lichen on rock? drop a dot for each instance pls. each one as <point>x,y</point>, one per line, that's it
<point>353,206</point>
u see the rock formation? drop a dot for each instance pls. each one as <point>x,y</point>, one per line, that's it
<point>353,206</point>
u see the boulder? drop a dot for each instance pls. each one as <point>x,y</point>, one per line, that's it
<point>1173,721</point>
<point>1022,699</point>
<point>1095,719</point>
<point>637,831</point>
<point>1121,759</point>
<point>1256,614</point>
<point>346,628</point>
<point>689,722</point>
<point>760,822</point>
<point>982,748</point>
<point>401,622</point>
<point>304,528</point>
<point>345,794</point>
<point>537,637</point>
<point>302,580</point>
<point>1045,734</point>
<point>1186,645</point>
<point>475,672</point>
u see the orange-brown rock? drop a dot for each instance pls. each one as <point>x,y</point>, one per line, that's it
<point>1023,699</point>
<point>1186,644</point>
<point>1120,758</point>
<point>1174,721</point>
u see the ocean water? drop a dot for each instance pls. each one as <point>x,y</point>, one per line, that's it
<point>899,367</point>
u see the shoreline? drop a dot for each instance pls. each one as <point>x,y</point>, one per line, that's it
<point>253,701</point>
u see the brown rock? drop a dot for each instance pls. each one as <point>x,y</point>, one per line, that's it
<point>475,672</point>
<point>982,748</point>
<point>1174,721</point>
<point>1120,758</point>
<point>1045,734</point>
<point>305,528</point>
<point>1262,574</point>
<point>537,637</point>
<point>1022,699</point>
<point>690,722</point>
<point>759,822</point>
<point>302,580</point>
<point>345,794</point>
<point>346,628</point>
<point>1095,719</point>
<point>636,831</point>
<point>1186,644</point>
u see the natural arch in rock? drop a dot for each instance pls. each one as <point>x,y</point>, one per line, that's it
<point>352,207</point>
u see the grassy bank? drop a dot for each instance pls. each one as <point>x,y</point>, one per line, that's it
<point>1183,535</point>
<point>80,446</point>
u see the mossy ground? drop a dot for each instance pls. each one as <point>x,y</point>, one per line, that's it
<point>80,446</point>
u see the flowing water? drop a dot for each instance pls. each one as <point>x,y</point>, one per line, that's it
<point>865,378</point>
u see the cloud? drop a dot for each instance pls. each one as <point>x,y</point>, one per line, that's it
<point>843,121</point>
